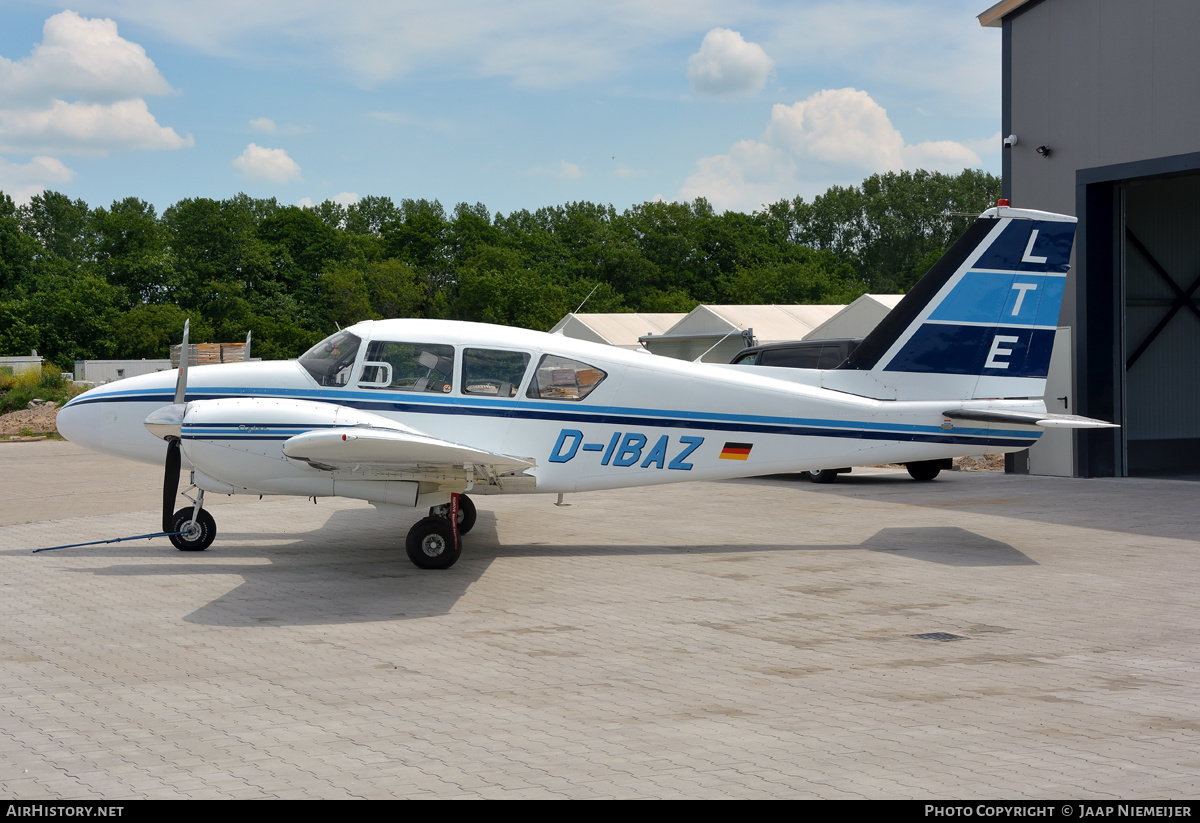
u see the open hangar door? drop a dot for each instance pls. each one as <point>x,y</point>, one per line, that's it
<point>1159,248</point>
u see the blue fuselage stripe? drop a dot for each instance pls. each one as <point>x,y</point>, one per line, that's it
<point>655,418</point>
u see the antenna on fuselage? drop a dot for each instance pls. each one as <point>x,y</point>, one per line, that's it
<point>589,297</point>
<point>563,330</point>
<point>743,332</point>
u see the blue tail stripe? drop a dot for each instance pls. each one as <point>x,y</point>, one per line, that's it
<point>1011,250</point>
<point>994,350</point>
<point>1003,298</point>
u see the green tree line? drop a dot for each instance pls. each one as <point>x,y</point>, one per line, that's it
<point>78,282</point>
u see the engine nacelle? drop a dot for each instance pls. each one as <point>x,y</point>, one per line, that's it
<point>236,447</point>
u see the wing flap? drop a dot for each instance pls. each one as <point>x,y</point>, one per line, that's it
<point>341,449</point>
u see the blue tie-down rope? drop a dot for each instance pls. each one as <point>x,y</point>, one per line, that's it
<point>115,540</point>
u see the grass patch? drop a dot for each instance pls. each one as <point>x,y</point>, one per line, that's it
<point>16,390</point>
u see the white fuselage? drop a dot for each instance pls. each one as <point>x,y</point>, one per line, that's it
<point>650,420</point>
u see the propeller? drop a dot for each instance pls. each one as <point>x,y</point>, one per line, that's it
<point>170,483</point>
<point>167,423</point>
<point>184,357</point>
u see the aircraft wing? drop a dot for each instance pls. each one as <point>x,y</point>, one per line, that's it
<point>393,451</point>
<point>1044,419</point>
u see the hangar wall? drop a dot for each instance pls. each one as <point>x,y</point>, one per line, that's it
<point>1111,88</point>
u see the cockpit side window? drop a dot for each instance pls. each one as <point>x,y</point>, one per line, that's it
<point>329,362</point>
<point>560,378</point>
<point>493,372</point>
<point>417,367</point>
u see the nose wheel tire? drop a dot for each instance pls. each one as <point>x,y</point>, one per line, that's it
<point>197,535</point>
<point>431,544</point>
<point>466,513</point>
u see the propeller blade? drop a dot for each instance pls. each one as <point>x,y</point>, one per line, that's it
<point>246,354</point>
<point>170,483</point>
<point>184,357</point>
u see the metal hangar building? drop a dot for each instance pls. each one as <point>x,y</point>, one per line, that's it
<point>1101,117</point>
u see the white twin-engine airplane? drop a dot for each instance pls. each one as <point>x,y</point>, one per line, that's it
<point>415,413</point>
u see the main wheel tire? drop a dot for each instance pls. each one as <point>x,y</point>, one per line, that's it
<point>823,475</point>
<point>924,470</point>
<point>197,535</point>
<point>466,513</point>
<point>431,545</point>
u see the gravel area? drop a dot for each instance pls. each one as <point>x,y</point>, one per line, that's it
<point>38,421</point>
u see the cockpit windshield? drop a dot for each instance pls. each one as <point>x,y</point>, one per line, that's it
<point>330,361</point>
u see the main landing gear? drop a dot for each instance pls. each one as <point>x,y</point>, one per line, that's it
<point>435,542</point>
<point>466,513</point>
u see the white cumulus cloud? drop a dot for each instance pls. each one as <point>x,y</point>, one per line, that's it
<point>21,181</point>
<point>263,124</point>
<point>81,91</point>
<point>727,65</point>
<point>86,128</point>
<point>274,165</point>
<point>838,126</point>
<point>536,43</point>
<point>836,136</point>
<point>940,155</point>
<point>84,59</point>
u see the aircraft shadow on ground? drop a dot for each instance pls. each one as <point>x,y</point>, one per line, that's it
<point>945,545</point>
<point>353,568</point>
<point>1056,500</point>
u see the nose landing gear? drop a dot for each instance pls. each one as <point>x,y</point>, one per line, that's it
<point>195,525</point>
<point>196,533</point>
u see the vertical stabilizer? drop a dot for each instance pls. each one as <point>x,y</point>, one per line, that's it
<point>980,323</point>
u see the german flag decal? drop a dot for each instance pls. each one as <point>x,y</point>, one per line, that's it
<point>736,451</point>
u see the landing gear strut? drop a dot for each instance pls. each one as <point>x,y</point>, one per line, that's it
<point>466,513</point>
<point>433,542</point>
<point>196,526</point>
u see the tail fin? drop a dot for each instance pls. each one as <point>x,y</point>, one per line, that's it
<point>980,323</point>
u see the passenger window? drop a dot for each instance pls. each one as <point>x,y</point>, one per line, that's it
<point>419,367</point>
<point>559,378</point>
<point>493,372</point>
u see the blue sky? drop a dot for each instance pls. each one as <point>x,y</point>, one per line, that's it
<point>516,105</point>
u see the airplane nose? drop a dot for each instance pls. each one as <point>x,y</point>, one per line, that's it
<point>80,423</point>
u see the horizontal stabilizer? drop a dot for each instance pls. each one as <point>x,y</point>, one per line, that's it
<point>1043,419</point>
<point>347,448</point>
